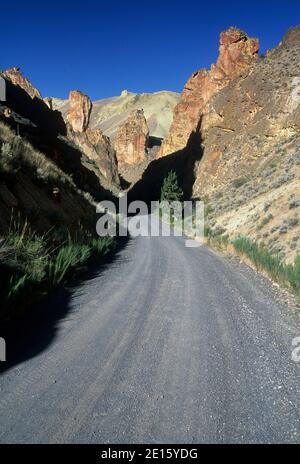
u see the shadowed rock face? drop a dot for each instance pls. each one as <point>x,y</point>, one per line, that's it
<point>97,147</point>
<point>132,139</point>
<point>15,76</point>
<point>237,53</point>
<point>80,107</point>
<point>24,104</point>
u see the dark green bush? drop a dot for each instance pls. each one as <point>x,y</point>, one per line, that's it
<point>171,191</point>
<point>239,182</point>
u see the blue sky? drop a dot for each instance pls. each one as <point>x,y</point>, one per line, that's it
<point>143,46</point>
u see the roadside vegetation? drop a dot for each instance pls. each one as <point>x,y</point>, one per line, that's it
<point>286,275</point>
<point>171,191</point>
<point>17,154</point>
<point>32,264</point>
<point>40,197</point>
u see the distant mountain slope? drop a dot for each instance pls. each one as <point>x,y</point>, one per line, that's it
<point>108,114</point>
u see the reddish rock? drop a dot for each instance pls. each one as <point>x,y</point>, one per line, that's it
<point>132,139</point>
<point>16,77</point>
<point>251,119</point>
<point>80,107</point>
<point>237,53</point>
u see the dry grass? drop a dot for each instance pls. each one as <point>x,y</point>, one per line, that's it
<point>17,153</point>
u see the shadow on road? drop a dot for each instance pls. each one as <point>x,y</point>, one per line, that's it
<point>33,333</point>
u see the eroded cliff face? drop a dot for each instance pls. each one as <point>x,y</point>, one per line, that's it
<point>250,169</point>
<point>245,120</point>
<point>132,139</point>
<point>237,54</point>
<point>15,76</point>
<point>78,115</point>
<point>97,147</point>
<point>94,144</point>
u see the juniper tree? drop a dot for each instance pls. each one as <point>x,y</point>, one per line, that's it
<point>171,191</point>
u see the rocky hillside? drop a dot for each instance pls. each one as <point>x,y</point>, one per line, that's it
<point>110,113</point>
<point>250,168</point>
<point>34,189</point>
<point>235,142</point>
<point>50,171</point>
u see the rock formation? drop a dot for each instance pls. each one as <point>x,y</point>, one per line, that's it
<point>96,146</point>
<point>250,167</point>
<point>237,53</point>
<point>16,77</point>
<point>132,139</point>
<point>80,107</point>
<point>48,101</point>
<point>93,143</point>
<point>244,121</point>
<point>109,114</point>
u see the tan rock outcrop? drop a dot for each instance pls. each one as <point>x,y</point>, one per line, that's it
<point>237,53</point>
<point>96,146</point>
<point>16,77</point>
<point>244,121</point>
<point>49,103</point>
<point>93,143</point>
<point>80,107</point>
<point>132,139</point>
<point>111,113</point>
<point>249,169</point>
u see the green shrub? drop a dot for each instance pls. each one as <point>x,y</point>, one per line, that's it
<point>293,222</point>
<point>239,182</point>
<point>265,221</point>
<point>170,190</point>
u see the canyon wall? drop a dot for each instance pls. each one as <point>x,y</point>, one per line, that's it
<point>237,54</point>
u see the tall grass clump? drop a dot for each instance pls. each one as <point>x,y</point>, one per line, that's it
<point>68,258</point>
<point>286,274</point>
<point>31,265</point>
